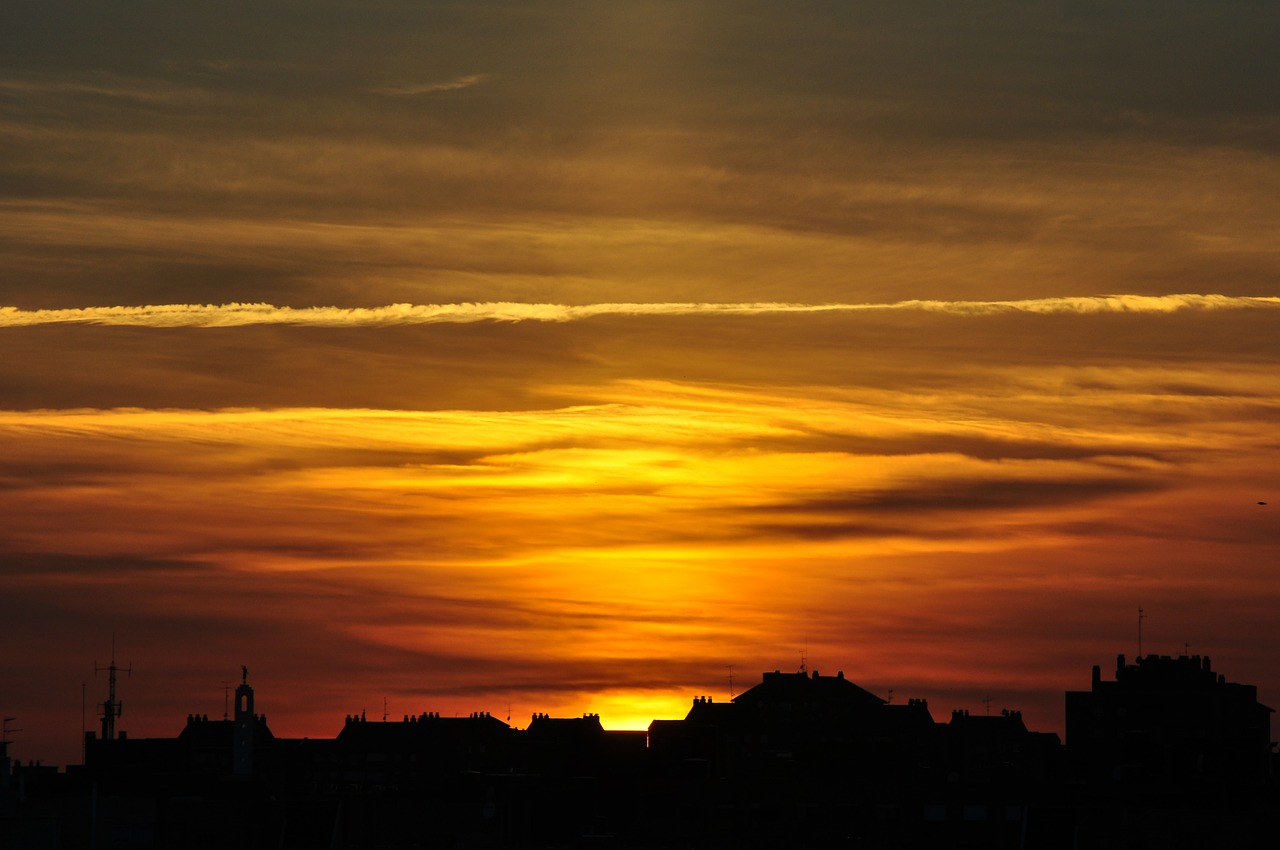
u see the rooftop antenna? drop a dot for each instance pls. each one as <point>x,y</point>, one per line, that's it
<point>226,700</point>
<point>5,742</point>
<point>804,657</point>
<point>1141,616</point>
<point>112,708</point>
<point>384,709</point>
<point>731,694</point>
<point>986,703</point>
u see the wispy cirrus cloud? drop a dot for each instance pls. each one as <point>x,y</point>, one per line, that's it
<point>411,90</point>
<point>101,85</point>
<point>237,314</point>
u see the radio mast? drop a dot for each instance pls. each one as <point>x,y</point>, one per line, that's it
<point>1141,616</point>
<point>112,708</point>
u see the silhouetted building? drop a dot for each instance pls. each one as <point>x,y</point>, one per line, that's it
<point>1170,754</point>
<point>581,746</point>
<point>204,750</point>
<point>999,748</point>
<point>416,749</point>
<point>1171,723</point>
<point>812,760</point>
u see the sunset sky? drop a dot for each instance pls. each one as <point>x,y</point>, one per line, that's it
<point>555,356</point>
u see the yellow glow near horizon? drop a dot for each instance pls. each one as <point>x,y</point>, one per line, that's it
<point>636,710</point>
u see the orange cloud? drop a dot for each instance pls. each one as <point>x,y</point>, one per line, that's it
<point>236,315</point>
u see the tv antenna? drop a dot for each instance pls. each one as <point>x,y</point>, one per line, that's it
<point>112,708</point>
<point>4,740</point>
<point>384,709</point>
<point>986,702</point>
<point>1141,616</point>
<point>730,666</point>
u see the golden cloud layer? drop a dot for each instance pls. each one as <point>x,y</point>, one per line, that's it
<point>673,521</point>
<point>235,315</point>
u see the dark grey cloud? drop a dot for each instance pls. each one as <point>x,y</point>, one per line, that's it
<point>974,494</point>
<point>471,367</point>
<point>879,513</point>
<point>535,365</point>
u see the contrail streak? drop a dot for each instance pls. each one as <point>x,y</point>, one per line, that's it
<point>237,315</point>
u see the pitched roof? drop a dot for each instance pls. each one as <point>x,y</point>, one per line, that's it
<point>779,689</point>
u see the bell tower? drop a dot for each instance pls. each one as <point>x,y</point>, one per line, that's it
<point>242,746</point>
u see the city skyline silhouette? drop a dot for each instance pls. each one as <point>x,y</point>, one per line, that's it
<point>1165,750</point>
<point>572,358</point>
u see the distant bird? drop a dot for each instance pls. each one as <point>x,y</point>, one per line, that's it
<point>1261,503</point>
